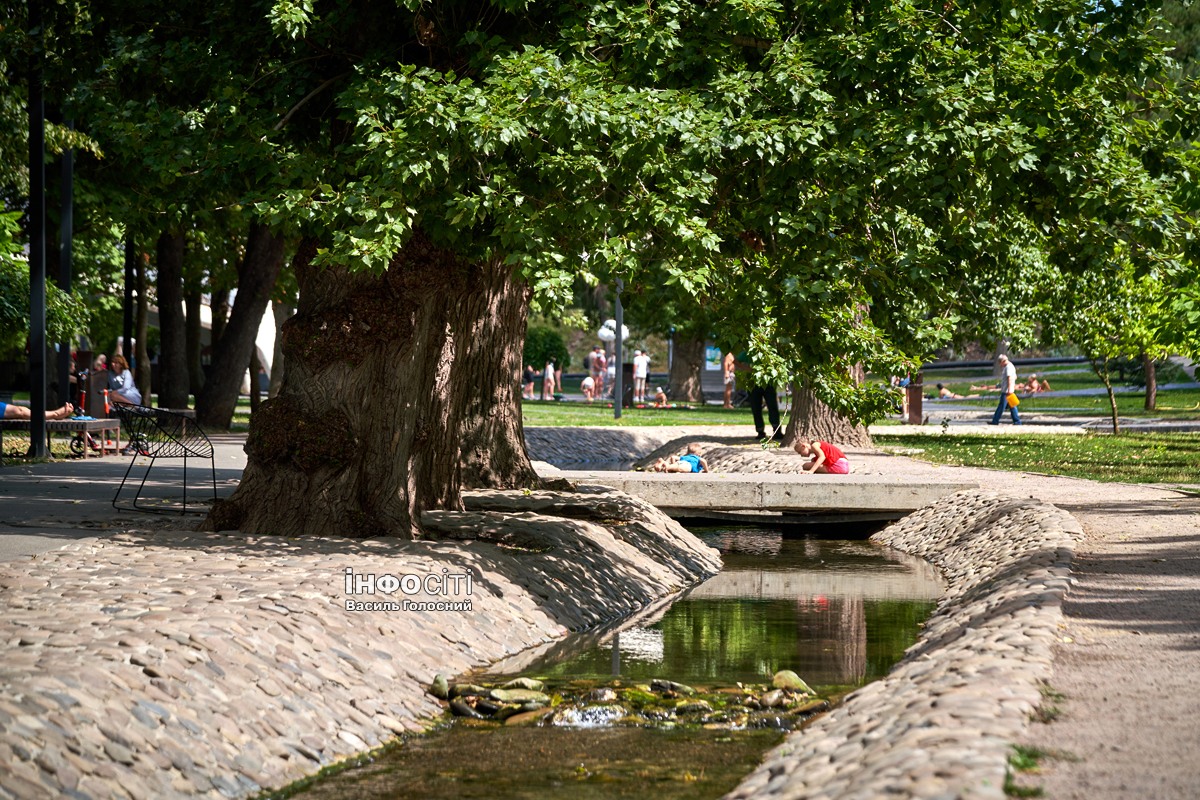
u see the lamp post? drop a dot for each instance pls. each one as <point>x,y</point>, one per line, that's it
<point>609,332</point>
<point>618,389</point>
<point>670,352</point>
<point>37,240</point>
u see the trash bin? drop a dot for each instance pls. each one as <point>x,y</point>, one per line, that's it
<point>627,385</point>
<point>915,388</point>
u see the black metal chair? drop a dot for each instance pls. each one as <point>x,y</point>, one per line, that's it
<point>160,433</point>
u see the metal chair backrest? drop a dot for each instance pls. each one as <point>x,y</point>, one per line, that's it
<point>159,433</point>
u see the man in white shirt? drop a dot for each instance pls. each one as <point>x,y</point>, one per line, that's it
<point>1008,386</point>
<point>641,371</point>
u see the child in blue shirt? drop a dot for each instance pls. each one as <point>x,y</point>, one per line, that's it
<point>692,461</point>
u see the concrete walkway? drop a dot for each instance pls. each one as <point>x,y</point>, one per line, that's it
<point>43,506</point>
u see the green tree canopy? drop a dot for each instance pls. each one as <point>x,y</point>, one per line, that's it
<point>840,180</point>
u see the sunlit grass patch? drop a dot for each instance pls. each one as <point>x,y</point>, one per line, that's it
<point>1129,458</point>
<point>566,414</point>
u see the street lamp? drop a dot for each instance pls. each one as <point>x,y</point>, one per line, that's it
<point>613,330</point>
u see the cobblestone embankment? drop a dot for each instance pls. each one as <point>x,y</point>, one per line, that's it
<point>615,445</point>
<point>173,664</point>
<point>941,724</point>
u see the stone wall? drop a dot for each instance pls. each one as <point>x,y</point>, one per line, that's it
<point>941,723</point>
<point>182,664</point>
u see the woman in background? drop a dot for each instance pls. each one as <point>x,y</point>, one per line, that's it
<point>121,388</point>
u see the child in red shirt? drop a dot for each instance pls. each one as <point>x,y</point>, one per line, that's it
<point>826,458</point>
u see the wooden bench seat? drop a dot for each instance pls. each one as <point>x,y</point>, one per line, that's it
<point>106,428</point>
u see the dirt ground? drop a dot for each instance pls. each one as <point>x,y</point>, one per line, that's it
<point>1121,718</point>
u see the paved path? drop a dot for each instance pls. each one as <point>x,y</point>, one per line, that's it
<point>43,506</point>
<point>1128,723</point>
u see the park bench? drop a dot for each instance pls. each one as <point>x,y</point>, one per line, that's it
<point>107,429</point>
<point>163,433</point>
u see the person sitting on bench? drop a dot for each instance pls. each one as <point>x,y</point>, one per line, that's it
<point>121,387</point>
<point>9,411</point>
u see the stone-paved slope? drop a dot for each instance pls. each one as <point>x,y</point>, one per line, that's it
<point>182,664</point>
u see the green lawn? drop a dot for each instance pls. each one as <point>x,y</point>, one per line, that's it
<point>537,413</point>
<point>1130,458</point>
<point>1173,404</point>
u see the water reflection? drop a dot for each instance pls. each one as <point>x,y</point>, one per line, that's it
<point>837,612</point>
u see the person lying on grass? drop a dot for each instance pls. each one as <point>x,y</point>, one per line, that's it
<point>689,462</point>
<point>946,394</point>
<point>826,458</point>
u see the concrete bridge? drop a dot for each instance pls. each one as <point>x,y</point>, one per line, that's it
<point>766,492</point>
<point>923,584</point>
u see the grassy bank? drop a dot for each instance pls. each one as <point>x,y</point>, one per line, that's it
<point>1129,458</point>
<point>538,413</point>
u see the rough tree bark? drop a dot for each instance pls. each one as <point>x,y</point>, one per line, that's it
<point>220,313</point>
<point>280,312</point>
<point>193,341</point>
<point>812,419</point>
<point>264,257</point>
<point>400,392</point>
<point>173,380</point>
<point>686,366</point>
<point>255,394</point>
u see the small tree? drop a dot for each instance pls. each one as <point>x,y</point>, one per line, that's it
<point>66,314</point>
<point>1110,317</point>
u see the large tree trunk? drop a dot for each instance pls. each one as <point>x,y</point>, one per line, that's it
<point>220,315</point>
<point>141,349</point>
<point>193,338</point>
<point>173,380</point>
<point>264,257</point>
<point>1151,382</point>
<point>686,366</point>
<point>280,312</point>
<point>813,420</point>
<point>400,391</point>
<point>255,368</point>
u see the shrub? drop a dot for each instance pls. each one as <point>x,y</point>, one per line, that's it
<point>542,344</point>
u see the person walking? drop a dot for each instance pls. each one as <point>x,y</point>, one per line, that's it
<point>1008,386</point>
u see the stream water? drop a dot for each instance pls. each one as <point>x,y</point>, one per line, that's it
<point>838,613</point>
